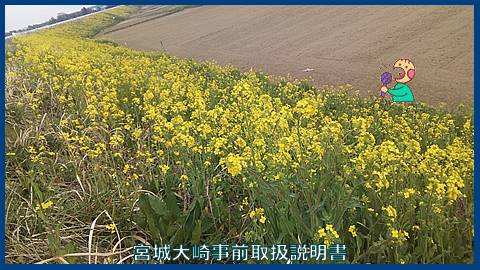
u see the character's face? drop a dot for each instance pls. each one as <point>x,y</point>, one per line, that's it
<point>406,70</point>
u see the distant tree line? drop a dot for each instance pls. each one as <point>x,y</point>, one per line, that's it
<point>62,17</point>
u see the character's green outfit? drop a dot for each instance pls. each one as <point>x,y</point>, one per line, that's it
<point>401,93</point>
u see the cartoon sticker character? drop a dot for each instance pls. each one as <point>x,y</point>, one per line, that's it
<point>401,92</point>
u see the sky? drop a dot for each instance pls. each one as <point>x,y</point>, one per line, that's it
<point>20,16</point>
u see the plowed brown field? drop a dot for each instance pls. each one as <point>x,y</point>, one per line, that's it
<point>337,44</point>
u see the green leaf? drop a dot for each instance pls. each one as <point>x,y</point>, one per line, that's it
<point>197,232</point>
<point>171,201</point>
<point>150,215</point>
<point>157,205</point>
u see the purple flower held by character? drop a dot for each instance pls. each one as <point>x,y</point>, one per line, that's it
<point>386,78</point>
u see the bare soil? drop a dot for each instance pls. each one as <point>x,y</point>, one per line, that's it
<point>337,44</point>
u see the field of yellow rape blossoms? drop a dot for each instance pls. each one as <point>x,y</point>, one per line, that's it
<point>108,147</point>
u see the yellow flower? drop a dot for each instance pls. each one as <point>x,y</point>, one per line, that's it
<point>306,107</point>
<point>407,193</point>
<point>391,212</point>
<point>126,168</point>
<point>112,227</point>
<point>327,242</point>
<point>164,168</point>
<point>44,205</point>
<point>399,235</point>
<point>394,233</point>
<point>328,234</point>
<point>259,211</point>
<point>262,219</point>
<point>353,230</point>
<point>241,142</point>
<point>234,164</point>
<point>257,214</point>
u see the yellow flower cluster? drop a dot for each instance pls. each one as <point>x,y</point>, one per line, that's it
<point>44,205</point>
<point>353,230</point>
<point>328,234</point>
<point>244,203</point>
<point>399,236</point>
<point>234,164</point>
<point>258,213</point>
<point>112,227</point>
<point>391,212</point>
